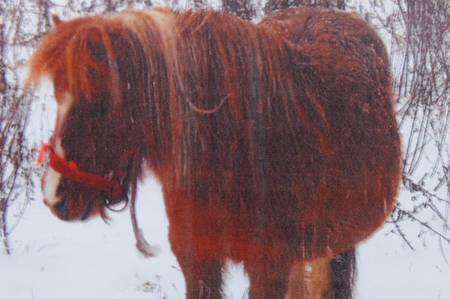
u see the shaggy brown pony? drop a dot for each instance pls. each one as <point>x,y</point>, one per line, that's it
<point>275,143</point>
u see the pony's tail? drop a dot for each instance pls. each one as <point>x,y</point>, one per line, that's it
<point>343,274</point>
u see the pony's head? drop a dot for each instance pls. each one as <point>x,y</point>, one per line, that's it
<point>95,136</point>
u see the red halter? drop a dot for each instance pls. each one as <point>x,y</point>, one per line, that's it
<point>71,171</point>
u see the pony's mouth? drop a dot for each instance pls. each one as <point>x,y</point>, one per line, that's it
<point>88,211</point>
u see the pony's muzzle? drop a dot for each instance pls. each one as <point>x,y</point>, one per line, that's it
<point>61,209</point>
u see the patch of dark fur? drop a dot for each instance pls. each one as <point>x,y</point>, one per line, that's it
<point>343,274</point>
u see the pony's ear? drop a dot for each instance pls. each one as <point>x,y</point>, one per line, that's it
<point>56,20</point>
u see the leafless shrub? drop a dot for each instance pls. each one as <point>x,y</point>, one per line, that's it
<point>15,171</point>
<point>272,5</point>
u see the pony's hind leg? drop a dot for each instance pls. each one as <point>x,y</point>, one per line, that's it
<point>310,280</point>
<point>269,277</point>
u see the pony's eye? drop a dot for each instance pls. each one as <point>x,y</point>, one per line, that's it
<point>99,108</point>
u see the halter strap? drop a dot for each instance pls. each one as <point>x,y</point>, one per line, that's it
<point>71,171</point>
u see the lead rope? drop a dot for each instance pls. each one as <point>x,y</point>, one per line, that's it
<point>142,245</point>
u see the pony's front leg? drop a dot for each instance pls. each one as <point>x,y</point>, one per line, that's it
<point>194,234</point>
<point>194,240</point>
<point>202,273</point>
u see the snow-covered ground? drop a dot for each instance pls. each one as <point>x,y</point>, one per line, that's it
<point>53,259</point>
<point>389,269</point>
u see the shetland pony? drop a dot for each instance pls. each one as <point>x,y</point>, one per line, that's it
<point>275,143</point>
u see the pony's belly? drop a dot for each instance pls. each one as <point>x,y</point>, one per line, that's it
<point>312,218</point>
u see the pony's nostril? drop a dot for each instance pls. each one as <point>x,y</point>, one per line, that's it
<point>62,208</point>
